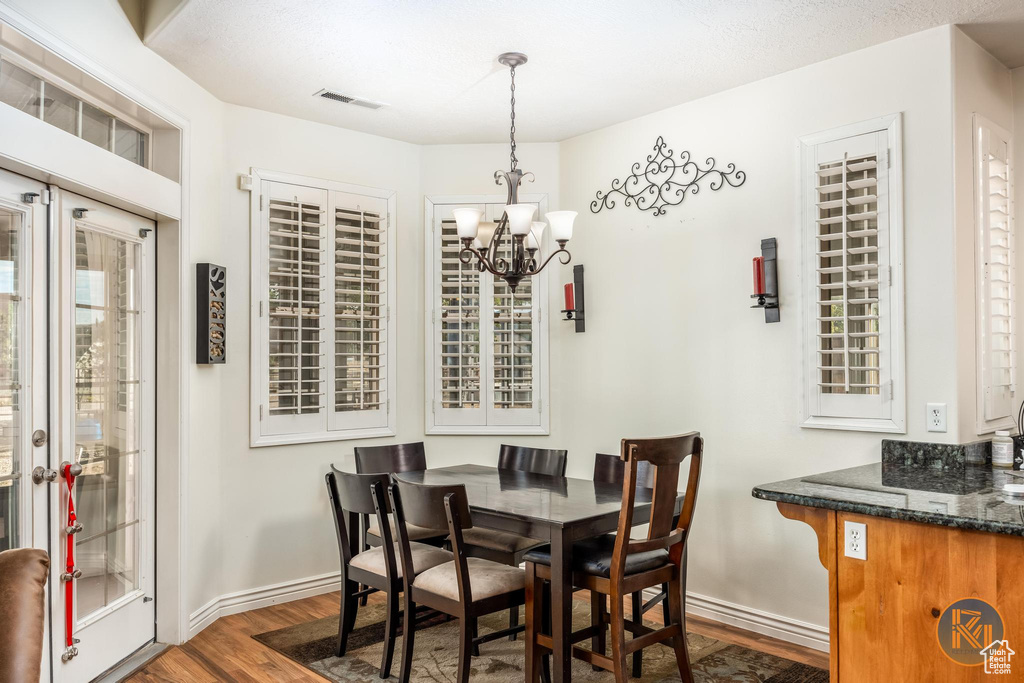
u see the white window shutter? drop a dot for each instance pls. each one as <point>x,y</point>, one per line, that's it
<point>996,347</point>
<point>486,356</point>
<point>853,322</point>
<point>294,231</point>
<point>359,390</point>
<point>322,355</point>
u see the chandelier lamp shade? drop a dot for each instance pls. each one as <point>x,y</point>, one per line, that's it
<point>482,239</point>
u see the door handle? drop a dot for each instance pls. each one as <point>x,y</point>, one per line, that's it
<point>43,474</point>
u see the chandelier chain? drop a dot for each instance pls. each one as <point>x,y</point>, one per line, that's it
<point>512,130</point>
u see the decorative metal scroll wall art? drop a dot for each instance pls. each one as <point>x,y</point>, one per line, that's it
<point>665,181</point>
<point>211,314</point>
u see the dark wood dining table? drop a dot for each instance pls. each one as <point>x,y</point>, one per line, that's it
<point>559,510</point>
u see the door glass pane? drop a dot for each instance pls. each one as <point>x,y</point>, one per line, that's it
<point>10,378</point>
<point>19,88</point>
<point>106,417</point>
<point>60,109</point>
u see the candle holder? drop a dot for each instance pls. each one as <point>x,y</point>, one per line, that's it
<point>768,297</point>
<point>574,299</point>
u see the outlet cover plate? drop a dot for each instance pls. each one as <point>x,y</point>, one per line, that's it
<point>936,417</point>
<point>856,540</point>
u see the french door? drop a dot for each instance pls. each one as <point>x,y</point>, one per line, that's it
<point>77,416</point>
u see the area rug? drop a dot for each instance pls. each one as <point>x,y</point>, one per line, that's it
<point>500,661</point>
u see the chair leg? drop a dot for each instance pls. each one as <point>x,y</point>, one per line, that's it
<point>675,605</point>
<point>617,633</point>
<point>390,633</point>
<point>467,627</point>
<point>665,616</point>
<point>545,624</point>
<point>408,635</point>
<point>347,615</point>
<point>638,617</point>
<point>598,610</point>
<point>533,616</point>
<point>513,621</point>
<point>474,632</point>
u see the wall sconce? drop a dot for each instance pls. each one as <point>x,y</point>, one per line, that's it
<point>766,281</point>
<point>211,314</point>
<point>574,299</point>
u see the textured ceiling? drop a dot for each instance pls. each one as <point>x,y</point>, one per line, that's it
<point>592,62</point>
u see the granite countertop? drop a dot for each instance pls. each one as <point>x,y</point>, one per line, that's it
<point>968,496</point>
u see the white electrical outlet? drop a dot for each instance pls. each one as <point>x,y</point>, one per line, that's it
<point>936,417</point>
<point>856,540</point>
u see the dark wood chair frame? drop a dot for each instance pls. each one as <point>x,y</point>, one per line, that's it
<point>551,462</point>
<point>443,507</point>
<point>353,496</point>
<point>390,459</point>
<point>665,456</point>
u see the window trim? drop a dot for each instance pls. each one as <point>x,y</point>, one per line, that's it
<point>892,125</point>
<point>542,330</point>
<point>257,295</point>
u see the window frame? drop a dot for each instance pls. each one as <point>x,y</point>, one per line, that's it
<point>483,418</point>
<point>891,125</point>
<point>258,334</point>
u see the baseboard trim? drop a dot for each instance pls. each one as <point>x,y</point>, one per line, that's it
<point>765,623</point>
<point>264,596</point>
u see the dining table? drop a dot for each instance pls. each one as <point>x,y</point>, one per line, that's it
<point>558,510</point>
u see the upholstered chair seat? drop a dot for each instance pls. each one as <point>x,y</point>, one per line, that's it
<point>488,579</point>
<point>423,557</point>
<point>500,541</point>
<point>594,556</point>
<point>416,533</point>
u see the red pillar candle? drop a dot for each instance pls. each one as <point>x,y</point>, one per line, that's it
<point>570,299</point>
<point>758,275</point>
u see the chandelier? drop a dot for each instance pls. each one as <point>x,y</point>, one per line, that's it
<point>483,239</point>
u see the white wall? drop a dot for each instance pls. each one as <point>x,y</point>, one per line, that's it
<point>981,85</point>
<point>671,343</point>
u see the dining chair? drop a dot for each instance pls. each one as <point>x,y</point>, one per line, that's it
<point>617,565</point>
<point>466,588</point>
<point>351,496</point>
<point>610,469</point>
<point>400,457</point>
<point>504,547</point>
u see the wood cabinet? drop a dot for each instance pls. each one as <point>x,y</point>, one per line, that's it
<point>884,611</point>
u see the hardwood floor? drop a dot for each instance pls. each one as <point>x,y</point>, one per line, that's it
<point>225,651</point>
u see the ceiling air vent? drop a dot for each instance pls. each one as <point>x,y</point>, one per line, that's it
<point>347,99</point>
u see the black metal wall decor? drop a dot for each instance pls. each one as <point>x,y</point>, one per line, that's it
<point>766,281</point>
<point>211,312</point>
<point>575,307</point>
<point>654,186</point>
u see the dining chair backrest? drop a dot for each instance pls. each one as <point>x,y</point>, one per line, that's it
<point>664,456</point>
<point>535,460</point>
<point>610,469</point>
<point>433,507</point>
<point>351,500</point>
<point>399,457</point>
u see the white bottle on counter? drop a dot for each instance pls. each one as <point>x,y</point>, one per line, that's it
<point>1002,449</point>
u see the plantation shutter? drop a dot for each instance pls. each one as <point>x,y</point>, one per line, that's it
<point>485,346</point>
<point>512,344</point>
<point>360,312</point>
<point>322,338</point>
<point>295,228</point>
<point>850,309</point>
<point>995,272</point>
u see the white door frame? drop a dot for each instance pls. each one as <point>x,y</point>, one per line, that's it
<point>174,301</point>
